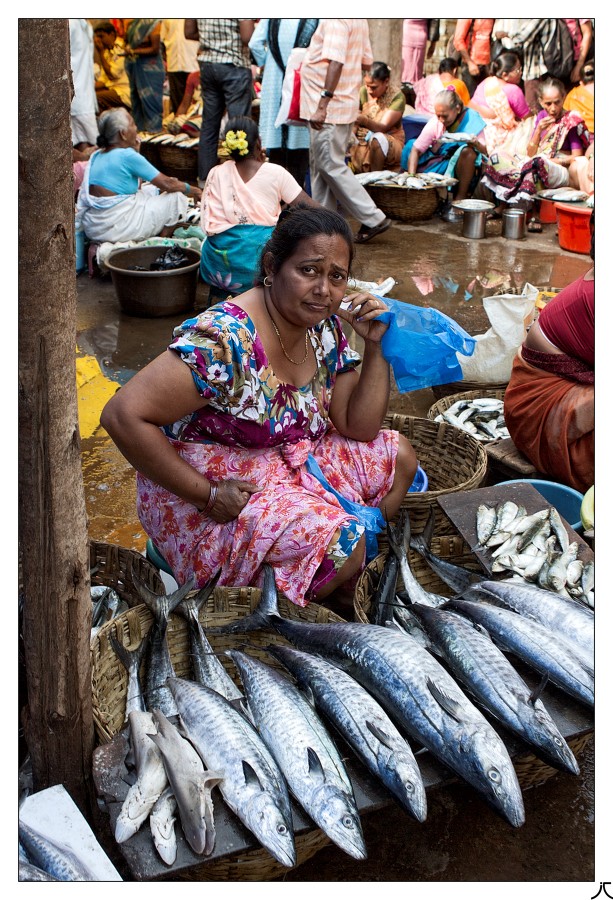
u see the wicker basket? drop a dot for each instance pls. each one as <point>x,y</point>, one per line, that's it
<point>445,403</point>
<point>113,566</point>
<point>109,686</point>
<point>456,387</point>
<point>532,771</point>
<point>452,459</point>
<point>180,162</point>
<point>151,152</point>
<point>406,204</point>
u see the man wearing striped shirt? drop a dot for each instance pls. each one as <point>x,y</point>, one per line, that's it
<point>225,78</point>
<point>331,77</point>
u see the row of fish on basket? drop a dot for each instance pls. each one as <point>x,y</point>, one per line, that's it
<point>384,687</point>
<point>182,139</point>
<point>403,179</point>
<point>483,417</point>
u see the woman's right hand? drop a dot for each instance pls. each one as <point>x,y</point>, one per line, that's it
<point>232,497</point>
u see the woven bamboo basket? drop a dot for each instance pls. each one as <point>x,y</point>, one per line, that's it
<point>180,162</point>
<point>109,686</point>
<point>114,566</point>
<point>405,204</point>
<point>531,771</point>
<point>456,387</point>
<point>452,459</point>
<point>151,152</point>
<point>445,403</point>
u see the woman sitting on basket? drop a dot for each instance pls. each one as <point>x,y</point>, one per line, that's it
<point>113,204</point>
<point>459,159</point>
<point>379,132</point>
<point>558,137</point>
<point>233,427</point>
<point>241,203</point>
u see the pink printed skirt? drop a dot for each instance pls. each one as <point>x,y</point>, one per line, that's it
<point>293,523</point>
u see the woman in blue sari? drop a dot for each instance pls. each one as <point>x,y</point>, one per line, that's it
<point>146,74</point>
<point>435,150</point>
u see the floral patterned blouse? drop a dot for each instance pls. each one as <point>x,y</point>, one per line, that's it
<point>248,405</point>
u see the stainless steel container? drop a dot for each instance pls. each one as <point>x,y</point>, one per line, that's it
<point>474,223</point>
<point>514,224</point>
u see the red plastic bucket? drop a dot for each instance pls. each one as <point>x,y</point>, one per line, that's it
<point>547,211</point>
<point>574,227</point>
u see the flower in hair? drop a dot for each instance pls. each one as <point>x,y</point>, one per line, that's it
<point>450,87</point>
<point>236,140</point>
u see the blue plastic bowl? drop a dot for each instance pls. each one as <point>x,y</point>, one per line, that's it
<point>420,482</point>
<point>566,500</point>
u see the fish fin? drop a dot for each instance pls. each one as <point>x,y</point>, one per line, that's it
<point>538,690</point>
<point>428,530</point>
<point>381,736</point>
<point>446,702</point>
<point>251,776</point>
<point>315,766</point>
<point>264,613</point>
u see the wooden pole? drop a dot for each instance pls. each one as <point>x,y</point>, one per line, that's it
<point>52,528</point>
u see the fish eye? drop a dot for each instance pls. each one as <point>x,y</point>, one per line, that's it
<point>557,741</point>
<point>494,775</point>
<point>409,786</point>
<point>281,829</point>
<point>347,821</point>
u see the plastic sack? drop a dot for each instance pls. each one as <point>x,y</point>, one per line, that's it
<point>289,110</point>
<point>421,345</point>
<point>510,316</point>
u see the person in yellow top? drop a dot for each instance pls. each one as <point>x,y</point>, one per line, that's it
<point>378,127</point>
<point>581,98</point>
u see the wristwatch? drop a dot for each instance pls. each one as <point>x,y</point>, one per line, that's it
<point>325,93</point>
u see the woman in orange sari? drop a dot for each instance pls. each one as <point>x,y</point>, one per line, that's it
<point>379,133</point>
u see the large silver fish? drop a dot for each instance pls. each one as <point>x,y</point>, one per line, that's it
<point>29,872</point>
<point>571,620</point>
<point>258,618</point>
<point>190,783</point>
<point>150,781</point>
<point>535,644</point>
<point>363,723</point>
<point>253,785</point>
<point>399,538</point>
<point>456,577</point>
<point>57,861</point>
<point>207,668</point>
<point>423,698</point>
<point>131,660</point>
<point>304,750</point>
<point>485,671</point>
<point>159,664</point>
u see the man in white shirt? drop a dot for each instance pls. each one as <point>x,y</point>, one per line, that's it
<point>84,105</point>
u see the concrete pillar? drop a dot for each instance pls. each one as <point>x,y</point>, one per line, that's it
<point>386,43</point>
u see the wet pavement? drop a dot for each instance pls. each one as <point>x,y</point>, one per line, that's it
<point>433,265</point>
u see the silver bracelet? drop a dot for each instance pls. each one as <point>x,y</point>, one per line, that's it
<point>210,503</point>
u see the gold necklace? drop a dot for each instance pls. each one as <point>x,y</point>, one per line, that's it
<point>294,362</point>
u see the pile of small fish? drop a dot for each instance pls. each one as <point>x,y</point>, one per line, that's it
<point>176,140</point>
<point>403,179</point>
<point>536,548</point>
<point>483,417</point>
<point>563,195</point>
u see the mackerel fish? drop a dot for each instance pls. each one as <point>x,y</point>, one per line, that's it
<point>252,785</point>
<point>363,722</point>
<point>535,645</point>
<point>421,696</point>
<point>304,750</point>
<point>61,863</point>
<point>485,671</point>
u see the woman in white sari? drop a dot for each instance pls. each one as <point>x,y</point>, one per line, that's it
<point>114,204</point>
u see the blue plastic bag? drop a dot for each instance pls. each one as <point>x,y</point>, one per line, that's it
<point>369,516</point>
<point>421,344</point>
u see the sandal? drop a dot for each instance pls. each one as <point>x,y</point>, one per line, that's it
<point>366,234</point>
<point>534,227</point>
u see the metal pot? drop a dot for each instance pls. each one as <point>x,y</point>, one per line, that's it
<point>474,223</point>
<point>514,224</point>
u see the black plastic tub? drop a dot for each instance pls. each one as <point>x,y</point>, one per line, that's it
<point>153,293</point>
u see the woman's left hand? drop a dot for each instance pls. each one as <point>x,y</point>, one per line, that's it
<point>361,311</point>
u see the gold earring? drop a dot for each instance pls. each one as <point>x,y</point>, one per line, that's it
<point>269,282</point>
